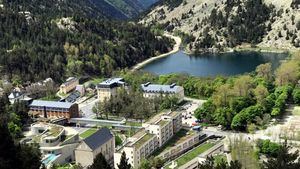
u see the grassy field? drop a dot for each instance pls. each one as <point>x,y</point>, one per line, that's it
<point>219,158</point>
<point>88,133</point>
<point>50,98</point>
<point>192,154</point>
<point>129,123</point>
<point>118,140</point>
<point>296,111</point>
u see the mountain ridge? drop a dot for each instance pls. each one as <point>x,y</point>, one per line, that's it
<point>196,19</point>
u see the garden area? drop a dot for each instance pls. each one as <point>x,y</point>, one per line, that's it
<point>192,154</point>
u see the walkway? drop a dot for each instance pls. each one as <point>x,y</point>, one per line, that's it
<point>175,49</point>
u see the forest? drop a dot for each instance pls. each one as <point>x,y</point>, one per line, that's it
<point>246,24</point>
<point>38,43</point>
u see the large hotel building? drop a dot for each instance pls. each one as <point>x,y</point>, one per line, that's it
<point>53,109</point>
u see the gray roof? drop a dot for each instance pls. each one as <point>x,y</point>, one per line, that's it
<point>42,103</point>
<point>15,94</point>
<point>156,88</point>
<point>99,138</point>
<point>112,82</point>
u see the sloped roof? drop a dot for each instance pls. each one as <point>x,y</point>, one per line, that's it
<point>98,138</point>
<point>111,83</point>
<point>156,88</point>
<point>54,104</point>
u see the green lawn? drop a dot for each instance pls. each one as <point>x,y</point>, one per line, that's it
<point>192,154</point>
<point>219,158</point>
<point>50,98</point>
<point>129,123</point>
<point>118,140</point>
<point>94,81</point>
<point>88,133</point>
<point>296,111</point>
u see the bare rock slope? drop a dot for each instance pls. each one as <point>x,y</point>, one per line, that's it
<point>220,25</point>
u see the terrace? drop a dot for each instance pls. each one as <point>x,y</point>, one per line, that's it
<point>162,123</point>
<point>192,154</point>
<point>177,139</point>
<point>143,140</point>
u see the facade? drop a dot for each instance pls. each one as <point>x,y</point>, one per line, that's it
<point>53,109</point>
<point>57,143</point>
<point>155,133</point>
<point>109,87</point>
<point>80,89</point>
<point>137,148</point>
<point>69,85</point>
<point>164,125</point>
<point>100,142</point>
<point>156,90</point>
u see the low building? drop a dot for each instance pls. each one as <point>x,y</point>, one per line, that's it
<point>57,143</point>
<point>53,109</point>
<point>156,90</point>
<point>73,97</point>
<point>109,88</point>
<point>101,141</point>
<point>138,147</point>
<point>164,125</point>
<point>17,96</point>
<point>80,89</point>
<point>69,85</point>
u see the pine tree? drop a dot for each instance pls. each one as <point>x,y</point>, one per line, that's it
<point>100,163</point>
<point>124,162</point>
<point>285,159</point>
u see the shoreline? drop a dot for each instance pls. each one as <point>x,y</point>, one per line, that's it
<point>176,48</point>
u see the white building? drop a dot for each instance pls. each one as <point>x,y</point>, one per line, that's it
<point>156,90</point>
<point>16,96</point>
<point>137,148</point>
<point>155,133</point>
<point>164,125</point>
<point>57,143</point>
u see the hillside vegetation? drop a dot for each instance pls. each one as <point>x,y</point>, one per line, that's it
<point>219,25</point>
<point>49,38</point>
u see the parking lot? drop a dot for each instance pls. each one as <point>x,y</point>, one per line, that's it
<point>188,111</point>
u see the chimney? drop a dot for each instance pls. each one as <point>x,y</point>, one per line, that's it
<point>172,85</point>
<point>147,84</point>
<point>45,112</point>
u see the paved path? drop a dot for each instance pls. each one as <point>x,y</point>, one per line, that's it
<point>175,49</point>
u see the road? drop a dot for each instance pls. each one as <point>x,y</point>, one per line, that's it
<point>86,109</point>
<point>188,114</point>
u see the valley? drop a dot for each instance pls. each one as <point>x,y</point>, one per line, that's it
<point>149,84</point>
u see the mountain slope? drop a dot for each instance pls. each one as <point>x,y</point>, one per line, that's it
<point>225,24</point>
<point>128,8</point>
<point>50,38</point>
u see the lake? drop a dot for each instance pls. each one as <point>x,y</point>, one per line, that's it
<point>213,64</point>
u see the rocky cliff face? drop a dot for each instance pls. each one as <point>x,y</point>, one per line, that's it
<point>225,24</point>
